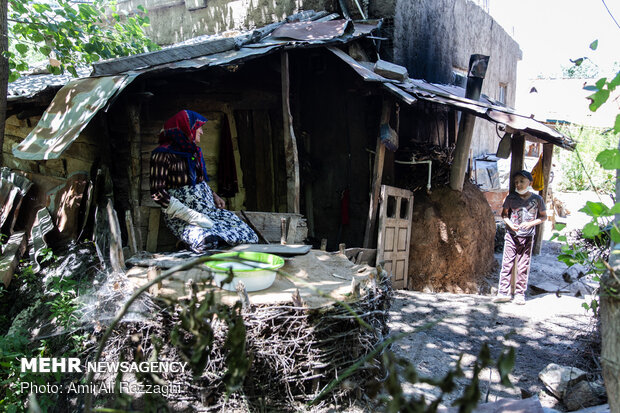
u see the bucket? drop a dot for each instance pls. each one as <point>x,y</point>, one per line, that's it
<point>257,270</point>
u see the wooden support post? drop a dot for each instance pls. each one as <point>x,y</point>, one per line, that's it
<point>477,71</point>
<point>377,177</point>
<point>135,165</point>
<point>516,160</point>
<point>290,142</point>
<point>131,233</point>
<point>546,160</point>
<point>153,231</point>
<point>239,198</point>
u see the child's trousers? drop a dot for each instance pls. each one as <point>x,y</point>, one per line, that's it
<point>517,251</point>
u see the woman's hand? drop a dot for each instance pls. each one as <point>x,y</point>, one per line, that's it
<point>219,202</point>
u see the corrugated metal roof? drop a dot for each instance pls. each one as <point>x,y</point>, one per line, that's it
<point>72,108</point>
<point>312,31</point>
<point>28,86</point>
<point>454,96</point>
<point>78,102</point>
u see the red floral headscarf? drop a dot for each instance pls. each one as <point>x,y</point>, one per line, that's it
<point>179,137</point>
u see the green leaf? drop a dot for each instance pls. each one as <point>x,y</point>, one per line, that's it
<point>591,230</point>
<point>577,62</point>
<point>615,82</point>
<point>609,159</point>
<point>617,124</point>
<point>21,48</point>
<point>45,50</point>
<point>598,99</point>
<point>614,234</point>
<point>594,45</point>
<point>559,226</point>
<point>595,209</point>
<point>600,84</point>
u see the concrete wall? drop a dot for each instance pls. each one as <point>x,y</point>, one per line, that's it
<point>432,38</point>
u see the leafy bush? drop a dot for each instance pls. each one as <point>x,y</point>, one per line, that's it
<point>579,170</point>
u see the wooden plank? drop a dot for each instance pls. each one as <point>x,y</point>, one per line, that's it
<point>546,160</point>
<point>290,142</point>
<point>239,199</point>
<point>243,120</point>
<point>264,160</point>
<point>117,261</point>
<point>13,250</point>
<point>268,223</point>
<point>131,233</point>
<point>516,159</point>
<point>135,172</point>
<point>377,177</point>
<point>153,231</point>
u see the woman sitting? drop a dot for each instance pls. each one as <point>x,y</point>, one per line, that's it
<point>193,212</point>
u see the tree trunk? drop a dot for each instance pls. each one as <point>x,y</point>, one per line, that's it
<point>610,322</point>
<point>4,69</point>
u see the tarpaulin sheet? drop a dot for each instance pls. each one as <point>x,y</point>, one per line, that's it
<point>72,108</point>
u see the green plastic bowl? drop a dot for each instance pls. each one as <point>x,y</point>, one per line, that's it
<point>257,270</point>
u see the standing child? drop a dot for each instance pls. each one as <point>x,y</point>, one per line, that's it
<point>522,211</point>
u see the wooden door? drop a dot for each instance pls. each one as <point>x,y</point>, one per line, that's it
<point>395,233</point>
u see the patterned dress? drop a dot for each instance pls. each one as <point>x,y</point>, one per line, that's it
<point>177,169</point>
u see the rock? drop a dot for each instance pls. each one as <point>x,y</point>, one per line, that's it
<point>584,394</point>
<point>604,408</point>
<point>574,272</point>
<point>558,378</point>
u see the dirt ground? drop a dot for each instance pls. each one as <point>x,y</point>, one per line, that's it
<point>548,329</point>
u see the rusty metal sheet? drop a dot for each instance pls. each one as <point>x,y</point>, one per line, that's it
<point>532,127</point>
<point>72,108</point>
<point>218,59</point>
<point>310,31</point>
<point>13,188</point>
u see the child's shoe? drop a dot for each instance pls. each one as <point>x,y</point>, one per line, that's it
<point>501,298</point>
<point>519,300</point>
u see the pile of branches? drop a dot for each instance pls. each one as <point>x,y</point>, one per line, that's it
<point>415,176</point>
<point>295,354</point>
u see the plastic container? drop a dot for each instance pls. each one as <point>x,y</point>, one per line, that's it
<point>257,270</point>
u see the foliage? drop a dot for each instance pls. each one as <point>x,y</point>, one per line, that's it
<point>602,226</point>
<point>579,170</point>
<point>69,34</point>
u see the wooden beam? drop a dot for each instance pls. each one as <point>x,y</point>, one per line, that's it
<point>377,177</point>
<point>290,142</point>
<point>135,165</point>
<point>546,160</point>
<point>153,231</point>
<point>516,159</point>
<point>239,198</point>
<point>477,70</point>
